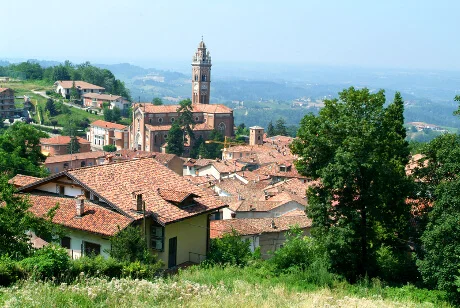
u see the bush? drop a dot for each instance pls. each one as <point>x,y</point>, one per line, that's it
<point>395,266</point>
<point>109,148</point>
<point>138,270</point>
<point>9,271</point>
<point>230,249</point>
<point>299,252</point>
<point>96,267</point>
<point>129,245</point>
<point>48,262</point>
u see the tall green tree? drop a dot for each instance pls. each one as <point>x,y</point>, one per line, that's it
<point>157,101</point>
<point>108,114</point>
<point>74,92</point>
<point>270,129</point>
<point>50,107</point>
<point>73,146</point>
<point>194,152</point>
<point>185,118</point>
<point>116,114</point>
<point>16,220</point>
<point>280,127</point>
<point>356,147</point>
<point>175,140</point>
<point>438,190</point>
<point>20,150</point>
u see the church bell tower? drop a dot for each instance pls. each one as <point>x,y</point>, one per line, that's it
<point>201,75</point>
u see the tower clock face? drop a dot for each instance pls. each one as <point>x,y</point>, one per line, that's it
<point>195,87</point>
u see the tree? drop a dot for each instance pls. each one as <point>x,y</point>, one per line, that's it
<point>439,261</point>
<point>157,101</point>
<point>16,220</point>
<point>185,118</point>
<point>214,150</point>
<point>50,107</point>
<point>109,148</point>
<point>116,114</point>
<point>356,148</point>
<point>175,140</point>
<point>280,127</point>
<point>194,152</point>
<point>20,150</point>
<point>129,245</point>
<point>73,146</point>
<point>230,249</point>
<point>74,92</point>
<point>108,115</point>
<point>270,129</point>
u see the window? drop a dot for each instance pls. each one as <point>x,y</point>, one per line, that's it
<point>172,120</point>
<point>83,164</point>
<point>196,77</point>
<point>60,190</point>
<point>91,249</point>
<point>221,127</point>
<point>160,120</point>
<point>65,242</point>
<point>165,136</point>
<point>66,165</point>
<point>158,237</point>
<point>197,119</point>
<point>56,169</point>
<point>204,77</point>
<point>150,121</point>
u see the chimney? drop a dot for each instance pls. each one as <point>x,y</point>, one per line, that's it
<point>139,203</point>
<point>80,205</point>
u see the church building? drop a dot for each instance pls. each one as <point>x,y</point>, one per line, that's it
<point>151,124</point>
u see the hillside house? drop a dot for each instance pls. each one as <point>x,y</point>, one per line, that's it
<point>97,100</point>
<point>63,87</point>
<point>6,103</point>
<point>116,195</point>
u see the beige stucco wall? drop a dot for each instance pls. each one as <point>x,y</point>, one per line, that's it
<point>191,240</point>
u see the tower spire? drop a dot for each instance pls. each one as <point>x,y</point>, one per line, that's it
<point>201,74</point>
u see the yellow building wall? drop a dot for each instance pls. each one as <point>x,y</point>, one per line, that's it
<point>191,240</point>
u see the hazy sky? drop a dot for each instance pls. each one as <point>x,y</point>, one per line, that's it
<point>390,33</point>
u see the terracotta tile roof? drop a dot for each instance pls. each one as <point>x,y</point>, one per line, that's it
<point>252,176</point>
<point>164,158</point>
<point>95,219</point>
<point>20,180</point>
<point>161,128</point>
<point>76,156</point>
<point>197,108</point>
<point>105,97</point>
<point>116,183</point>
<point>105,124</point>
<point>207,180</point>
<point>273,169</point>
<point>225,166</point>
<point>250,226</point>
<point>67,84</point>
<point>234,187</point>
<point>284,197</point>
<point>414,163</point>
<point>4,89</point>
<point>127,154</point>
<point>60,140</point>
<point>296,212</point>
<point>294,186</point>
<point>174,195</point>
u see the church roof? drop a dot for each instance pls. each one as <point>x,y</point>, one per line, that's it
<point>205,108</point>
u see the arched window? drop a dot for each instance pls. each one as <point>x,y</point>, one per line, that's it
<point>150,121</point>
<point>196,77</point>
<point>160,120</point>
<point>258,137</point>
<point>204,77</point>
<point>165,136</point>
<point>221,127</point>
<point>172,120</point>
<point>197,119</point>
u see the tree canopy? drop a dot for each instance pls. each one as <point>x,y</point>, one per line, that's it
<point>175,140</point>
<point>356,147</point>
<point>20,150</point>
<point>185,118</point>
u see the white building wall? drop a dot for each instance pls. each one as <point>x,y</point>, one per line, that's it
<point>76,243</point>
<point>209,170</point>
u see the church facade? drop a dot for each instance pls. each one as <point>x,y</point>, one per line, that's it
<point>151,124</point>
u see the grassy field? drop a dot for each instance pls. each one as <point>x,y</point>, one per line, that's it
<point>228,287</point>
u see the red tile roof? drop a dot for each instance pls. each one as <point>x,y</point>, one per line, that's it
<point>76,156</point>
<point>20,180</point>
<point>67,84</point>
<point>117,182</point>
<point>4,89</point>
<point>95,219</point>
<point>198,108</point>
<point>60,140</point>
<point>250,226</point>
<point>110,125</point>
<point>105,97</point>
<point>295,212</point>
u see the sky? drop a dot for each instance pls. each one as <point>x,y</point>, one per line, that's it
<point>410,34</point>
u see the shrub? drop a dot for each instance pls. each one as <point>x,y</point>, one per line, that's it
<point>129,245</point>
<point>109,148</point>
<point>299,252</point>
<point>230,249</point>
<point>9,271</point>
<point>46,263</point>
<point>395,266</point>
<point>96,267</point>
<point>138,270</point>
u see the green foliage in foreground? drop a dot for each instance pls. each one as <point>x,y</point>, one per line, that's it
<point>206,287</point>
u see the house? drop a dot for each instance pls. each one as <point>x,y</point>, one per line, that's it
<point>173,213</point>
<point>58,163</point>
<point>59,145</point>
<point>280,171</point>
<point>268,234</point>
<point>63,87</point>
<point>6,103</point>
<point>102,133</point>
<point>97,100</point>
<point>216,168</point>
